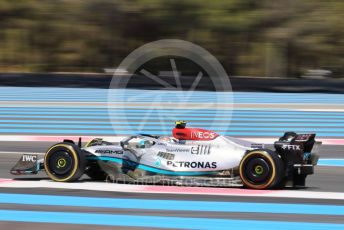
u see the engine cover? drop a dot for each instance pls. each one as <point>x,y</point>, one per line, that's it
<point>194,134</point>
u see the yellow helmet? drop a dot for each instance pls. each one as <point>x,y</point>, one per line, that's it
<point>180,124</point>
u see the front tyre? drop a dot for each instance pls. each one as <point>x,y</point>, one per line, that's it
<point>64,162</point>
<point>261,169</point>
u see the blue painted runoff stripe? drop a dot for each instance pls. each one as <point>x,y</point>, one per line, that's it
<point>168,99</point>
<point>174,113</point>
<point>156,221</point>
<point>167,132</point>
<point>99,109</point>
<point>102,94</point>
<point>167,124</point>
<point>133,92</point>
<point>176,205</point>
<point>51,90</point>
<point>194,100</point>
<point>331,162</point>
<point>179,117</point>
<point>149,128</point>
<point>104,122</point>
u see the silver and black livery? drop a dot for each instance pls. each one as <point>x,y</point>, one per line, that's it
<point>192,157</point>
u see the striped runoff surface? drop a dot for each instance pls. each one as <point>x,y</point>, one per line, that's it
<point>38,112</point>
<point>176,214</point>
<point>100,112</point>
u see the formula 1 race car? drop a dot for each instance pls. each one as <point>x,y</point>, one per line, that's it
<point>192,157</point>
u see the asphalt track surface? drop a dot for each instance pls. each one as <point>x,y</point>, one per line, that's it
<point>326,179</point>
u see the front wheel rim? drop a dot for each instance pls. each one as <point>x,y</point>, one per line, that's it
<point>60,163</point>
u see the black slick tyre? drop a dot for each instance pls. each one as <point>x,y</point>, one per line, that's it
<point>261,169</point>
<point>64,162</point>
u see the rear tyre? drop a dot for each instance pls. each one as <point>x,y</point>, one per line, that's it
<point>64,162</point>
<point>261,169</point>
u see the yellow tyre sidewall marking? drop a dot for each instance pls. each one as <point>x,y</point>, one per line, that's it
<point>76,163</point>
<point>273,174</point>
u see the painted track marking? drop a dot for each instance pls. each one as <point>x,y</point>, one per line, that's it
<point>156,189</point>
<point>176,205</point>
<point>156,221</point>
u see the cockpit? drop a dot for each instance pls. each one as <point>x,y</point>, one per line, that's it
<point>138,141</point>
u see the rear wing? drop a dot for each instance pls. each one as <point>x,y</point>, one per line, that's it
<point>301,148</point>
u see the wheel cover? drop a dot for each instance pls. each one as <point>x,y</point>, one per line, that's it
<point>257,170</point>
<point>61,163</point>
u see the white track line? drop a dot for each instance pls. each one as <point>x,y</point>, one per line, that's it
<point>20,153</point>
<point>151,189</point>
